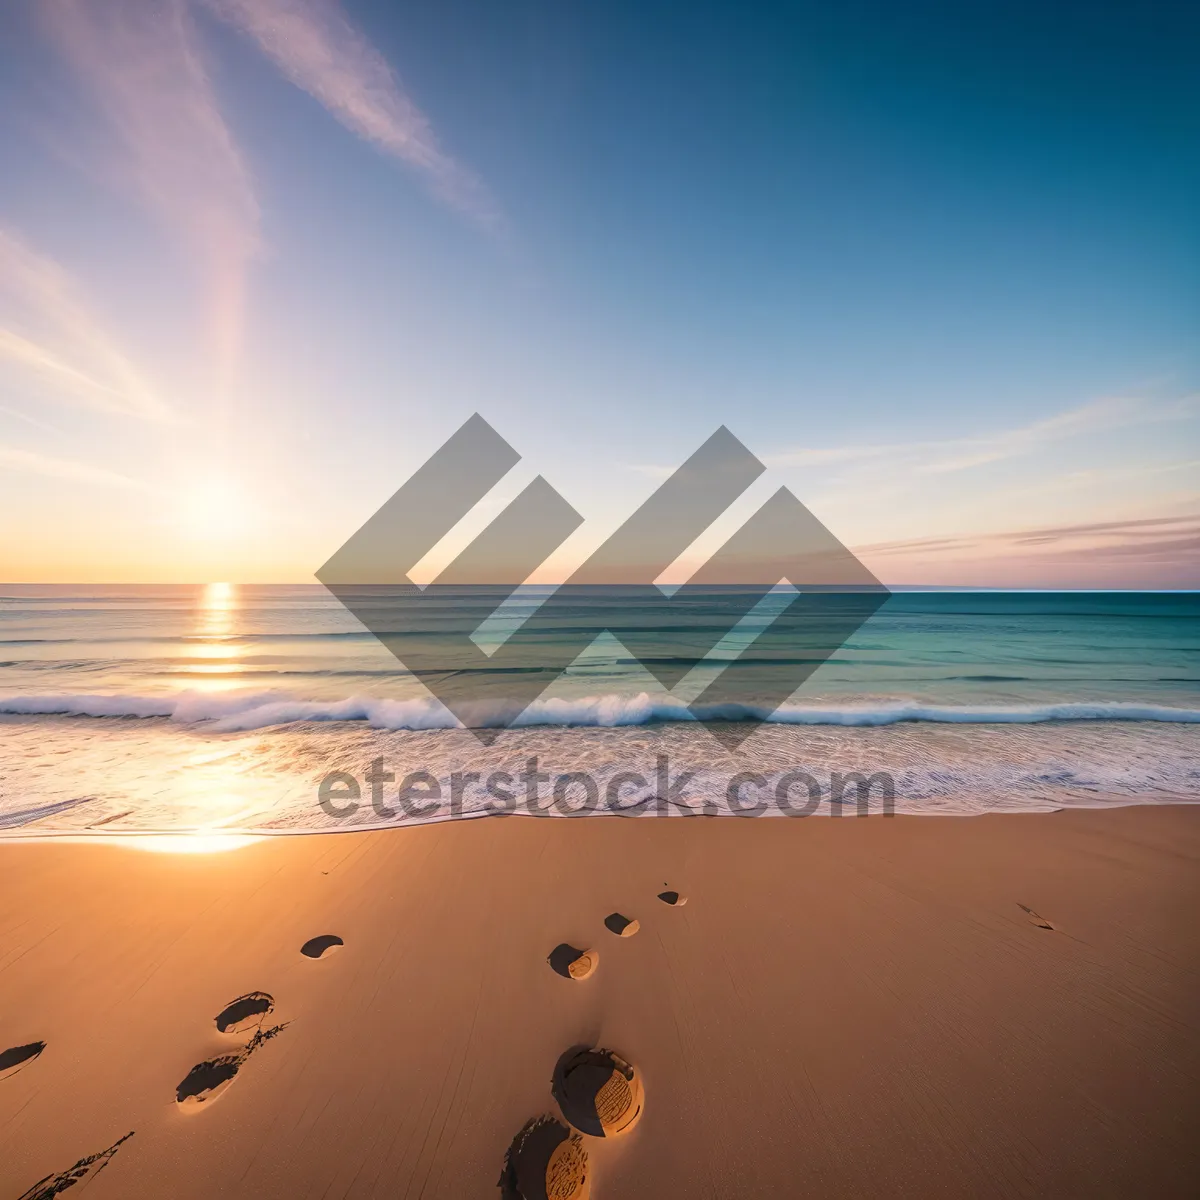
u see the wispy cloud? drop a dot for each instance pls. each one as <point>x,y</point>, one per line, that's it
<point>1139,552</point>
<point>960,454</point>
<point>317,47</point>
<point>143,65</point>
<point>33,463</point>
<point>1147,532</point>
<point>24,417</point>
<point>46,328</point>
<point>945,456</point>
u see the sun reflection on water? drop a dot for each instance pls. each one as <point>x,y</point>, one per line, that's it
<point>212,640</point>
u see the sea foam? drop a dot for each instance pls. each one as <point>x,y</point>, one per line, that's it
<point>236,711</point>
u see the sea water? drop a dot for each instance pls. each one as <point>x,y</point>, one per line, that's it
<point>220,708</point>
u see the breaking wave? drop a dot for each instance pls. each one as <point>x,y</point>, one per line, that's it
<point>230,712</point>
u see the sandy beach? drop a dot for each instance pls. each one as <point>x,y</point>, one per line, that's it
<point>599,601</point>
<point>854,1007</point>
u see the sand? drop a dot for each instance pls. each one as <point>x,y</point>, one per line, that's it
<point>844,1007</point>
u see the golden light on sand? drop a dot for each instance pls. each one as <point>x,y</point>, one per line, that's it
<point>189,843</point>
<point>159,843</point>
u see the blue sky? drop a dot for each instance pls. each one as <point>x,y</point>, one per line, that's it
<point>936,264</point>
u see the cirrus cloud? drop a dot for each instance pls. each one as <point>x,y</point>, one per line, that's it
<point>46,329</point>
<point>318,48</point>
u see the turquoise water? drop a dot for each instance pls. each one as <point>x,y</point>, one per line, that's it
<point>220,707</point>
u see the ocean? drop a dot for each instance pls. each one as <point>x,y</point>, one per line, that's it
<point>219,709</point>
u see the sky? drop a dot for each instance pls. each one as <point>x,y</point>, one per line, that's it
<point>937,265</point>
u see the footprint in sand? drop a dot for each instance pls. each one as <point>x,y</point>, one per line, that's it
<point>245,1013</point>
<point>598,1091</point>
<point>316,947</point>
<point>674,899</point>
<point>207,1080</point>
<point>546,1161</point>
<point>621,926</point>
<point>1035,919</point>
<point>570,963</point>
<point>83,1170</point>
<point>15,1057</point>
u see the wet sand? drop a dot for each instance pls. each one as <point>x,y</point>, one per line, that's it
<point>843,1007</point>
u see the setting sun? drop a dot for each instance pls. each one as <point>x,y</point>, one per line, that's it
<point>419,417</point>
<point>215,509</point>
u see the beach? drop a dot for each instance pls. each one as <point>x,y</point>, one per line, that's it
<point>844,1007</point>
<point>599,602</point>
<point>130,709</point>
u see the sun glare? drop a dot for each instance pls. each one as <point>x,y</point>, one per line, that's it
<point>218,595</point>
<point>215,510</point>
<point>188,843</point>
<point>212,648</point>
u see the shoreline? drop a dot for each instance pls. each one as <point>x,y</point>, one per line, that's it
<point>249,834</point>
<point>841,1009</point>
<point>81,774</point>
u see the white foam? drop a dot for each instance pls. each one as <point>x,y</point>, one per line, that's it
<point>236,711</point>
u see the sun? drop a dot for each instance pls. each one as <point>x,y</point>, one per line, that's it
<point>215,509</point>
